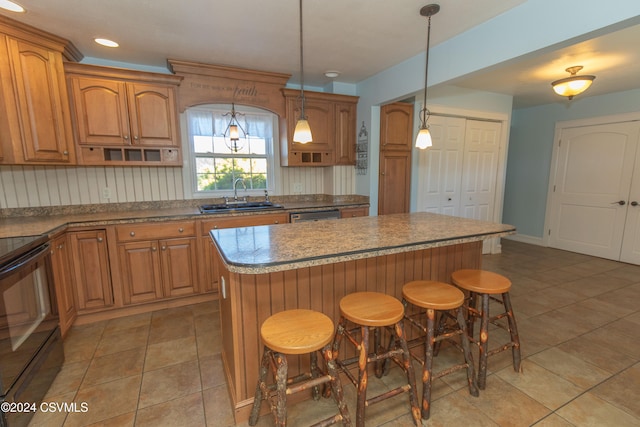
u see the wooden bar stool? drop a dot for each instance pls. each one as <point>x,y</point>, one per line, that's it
<point>297,332</point>
<point>488,285</point>
<point>375,310</point>
<point>438,297</point>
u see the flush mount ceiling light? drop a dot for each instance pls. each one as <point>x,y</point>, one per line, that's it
<point>574,85</point>
<point>11,6</point>
<point>423,140</point>
<point>332,74</point>
<point>302,132</point>
<point>106,42</point>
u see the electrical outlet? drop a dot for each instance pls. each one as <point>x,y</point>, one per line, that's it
<point>297,187</point>
<point>106,193</point>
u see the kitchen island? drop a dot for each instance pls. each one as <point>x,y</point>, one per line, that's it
<point>267,269</point>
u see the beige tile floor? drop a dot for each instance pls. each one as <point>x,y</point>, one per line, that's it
<point>578,318</point>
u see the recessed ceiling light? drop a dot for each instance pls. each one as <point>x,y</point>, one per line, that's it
<point>9,5</point>
<point>106,42</point>
<point>332,74</point>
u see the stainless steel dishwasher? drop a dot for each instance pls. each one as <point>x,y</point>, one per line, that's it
<point>314,215</point>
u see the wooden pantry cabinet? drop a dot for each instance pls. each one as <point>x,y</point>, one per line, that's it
<point>35,121</point>
<point>157,261</point>
<point>124,117</point>
<point>332,119</point>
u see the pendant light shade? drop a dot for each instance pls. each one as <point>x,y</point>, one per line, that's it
<point>423,140</point>
<point>302,132</point>
<point>574,85</point>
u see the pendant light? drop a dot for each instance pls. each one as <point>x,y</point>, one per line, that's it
<point>574,85</point>
<point>423,140</point>
<point>232,132</point>
<point>302,133</point>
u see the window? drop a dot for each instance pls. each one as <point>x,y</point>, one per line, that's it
<point>216,163</point>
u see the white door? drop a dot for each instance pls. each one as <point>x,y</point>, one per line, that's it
<point>590,191</point>
<point>440,167</point>
<point>480,168</point>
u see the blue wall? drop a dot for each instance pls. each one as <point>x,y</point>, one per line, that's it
<point>530,151</point>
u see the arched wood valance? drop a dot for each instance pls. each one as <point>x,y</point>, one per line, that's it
<point>215,84</point>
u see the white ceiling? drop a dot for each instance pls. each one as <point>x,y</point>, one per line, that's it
<point>358,38</point>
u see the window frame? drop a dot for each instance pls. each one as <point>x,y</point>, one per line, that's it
<point>270,151</point>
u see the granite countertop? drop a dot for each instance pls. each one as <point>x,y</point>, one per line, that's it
<point>51,220</point>
<point>270,248</point>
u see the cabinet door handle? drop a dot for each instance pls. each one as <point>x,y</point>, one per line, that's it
<point>99,239</point>
<point>133,233</point>
<point>153,248</point>
<point>164,248</point>
<point>65,152</point>
<point>180,230</point>
<point>634,203</point>
<point>215,227</point>
<point>135,137</point>
<point>277,222</point>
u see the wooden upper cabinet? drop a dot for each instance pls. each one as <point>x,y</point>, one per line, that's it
<point>103,104</point>
<point>345,123</point>
<point>332,121</point>
<point>35,118</point>
<point>396,126</point>
<point>124,117</point>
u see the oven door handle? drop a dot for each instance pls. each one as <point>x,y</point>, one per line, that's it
<point>31,256</point>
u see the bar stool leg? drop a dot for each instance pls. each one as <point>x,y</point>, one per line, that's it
<point>362,376</point>
<point>513,331</point>
<point>466,348</point>
<point>335,384</point>
<point>261,389</point>
<point>484,345</point>
<point>281,389</point>
<point>315,373</point>
<point>411,376</point>
<point>428,363</point>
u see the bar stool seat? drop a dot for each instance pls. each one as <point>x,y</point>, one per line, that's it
<point>295,332</point>
<point>376,311</point>
<point>488,286</point>
<point>438,297</point>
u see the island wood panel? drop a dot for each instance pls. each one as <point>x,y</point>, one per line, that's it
<point>251,299</point>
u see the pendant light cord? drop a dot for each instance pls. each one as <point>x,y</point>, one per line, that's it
<point>426,73</point>
<point>302,115</point>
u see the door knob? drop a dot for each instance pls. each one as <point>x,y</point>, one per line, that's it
<point>634,203</point>
<point>621,203</point>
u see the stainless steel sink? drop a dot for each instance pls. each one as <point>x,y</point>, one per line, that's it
<point>240,206</point>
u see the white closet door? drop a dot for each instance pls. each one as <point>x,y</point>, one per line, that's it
<point>440,167</point>
<point>593,176</point>
<point>480,169</point>
<point>631,240</point>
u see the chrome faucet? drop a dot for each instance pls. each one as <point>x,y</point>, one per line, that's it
<point>235,188</point>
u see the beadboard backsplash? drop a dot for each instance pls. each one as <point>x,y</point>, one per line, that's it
<point>36,186</point>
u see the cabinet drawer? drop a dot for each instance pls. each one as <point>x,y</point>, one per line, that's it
<point>244,221</point>
<point>164,230</point>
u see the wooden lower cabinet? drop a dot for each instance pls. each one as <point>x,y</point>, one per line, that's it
<point>354,212</point>
<point>63,283</point>
<point>166,267</point>
<point>140,272</point>
<point>91,269</point>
